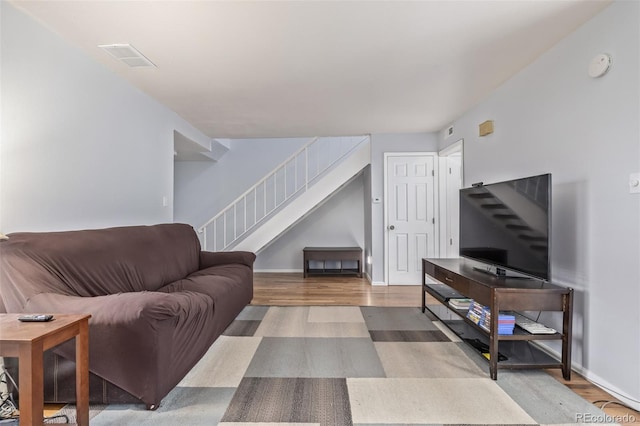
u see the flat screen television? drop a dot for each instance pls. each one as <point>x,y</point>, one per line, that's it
<point>508,225</point>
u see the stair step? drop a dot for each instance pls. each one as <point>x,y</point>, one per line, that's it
<point>514,226</point>
<point>532,238</point>
<point>505,216</point>
<point>493,206</point>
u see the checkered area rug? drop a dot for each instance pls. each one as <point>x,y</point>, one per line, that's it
<point>350,366</point>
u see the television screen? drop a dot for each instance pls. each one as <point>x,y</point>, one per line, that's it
<point>507,224</point>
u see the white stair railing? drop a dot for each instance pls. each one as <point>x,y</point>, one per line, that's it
<point>288,180</point>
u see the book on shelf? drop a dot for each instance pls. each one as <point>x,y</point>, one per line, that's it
<point>481,315</point>
<point>460,303</point>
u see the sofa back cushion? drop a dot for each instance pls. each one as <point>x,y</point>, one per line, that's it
<point>96,262</point>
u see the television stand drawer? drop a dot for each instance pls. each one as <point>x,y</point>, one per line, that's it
<point>455,281</point>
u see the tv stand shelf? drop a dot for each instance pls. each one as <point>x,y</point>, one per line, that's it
<point>503,294</point>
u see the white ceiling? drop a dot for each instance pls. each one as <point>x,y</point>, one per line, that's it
<point>239,69</point>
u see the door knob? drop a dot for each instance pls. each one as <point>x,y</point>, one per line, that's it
<point>391,227</point>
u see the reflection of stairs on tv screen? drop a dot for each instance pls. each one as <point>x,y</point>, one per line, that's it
<point>498,212</point>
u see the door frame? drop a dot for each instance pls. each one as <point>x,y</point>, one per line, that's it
<point>456,147</point>
<point>436,197</point>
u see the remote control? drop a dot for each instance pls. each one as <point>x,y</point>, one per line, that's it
<point>35,318</point>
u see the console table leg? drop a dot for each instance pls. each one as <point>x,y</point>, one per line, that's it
<point>305,264</point>
<point>567,321</point>
<point>493,336</point>
<point>82,374</point>
<point>493,358</point>
<point>31,379</point>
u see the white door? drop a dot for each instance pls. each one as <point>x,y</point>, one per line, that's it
<point>411,207</point>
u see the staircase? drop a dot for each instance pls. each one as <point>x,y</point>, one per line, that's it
<point>284,196</point>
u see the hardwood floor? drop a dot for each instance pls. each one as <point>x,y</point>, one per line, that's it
<point>282,289</point>
<point>292,289</point>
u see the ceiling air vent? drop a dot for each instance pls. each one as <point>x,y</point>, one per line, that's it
<point>127,54</point>
<point>447,132</point>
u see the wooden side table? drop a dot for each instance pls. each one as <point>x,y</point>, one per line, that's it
<point>27,341</point>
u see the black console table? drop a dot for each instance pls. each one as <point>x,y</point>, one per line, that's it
<point>503,294</point>
<point>332,254</point>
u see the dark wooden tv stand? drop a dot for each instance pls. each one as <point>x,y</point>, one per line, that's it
<point>503,294</point>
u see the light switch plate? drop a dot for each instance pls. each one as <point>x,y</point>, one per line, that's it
<point>634,183</point>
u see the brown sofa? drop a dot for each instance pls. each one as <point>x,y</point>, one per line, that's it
<point>157,301</point>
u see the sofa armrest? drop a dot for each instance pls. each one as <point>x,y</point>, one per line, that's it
<point>134,338</point>
<point>112,308</point>
<point>210,258</point>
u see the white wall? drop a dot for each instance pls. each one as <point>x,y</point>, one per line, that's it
<point>552,117</point>
<point>368,226</point>
<point>80,147</point>
<point>381,143</point>
<point>203,188</point>
<point>337,222</point>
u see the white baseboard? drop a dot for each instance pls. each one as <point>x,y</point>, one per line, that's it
<point>609,388</point>
<point>279,271</point>
<point>378,283</point>
<point>594,378</point>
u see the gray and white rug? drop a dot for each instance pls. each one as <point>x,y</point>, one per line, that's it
<point>351,366</point>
